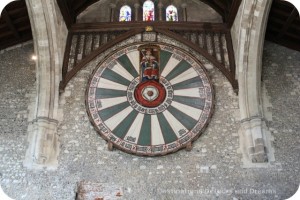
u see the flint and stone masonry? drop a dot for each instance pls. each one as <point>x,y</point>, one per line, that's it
<point>250,149</point>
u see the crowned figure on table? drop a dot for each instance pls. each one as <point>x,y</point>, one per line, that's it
<point>149,66</point>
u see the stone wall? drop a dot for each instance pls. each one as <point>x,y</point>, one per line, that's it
<point>213,169</point>
<point>17,83</point>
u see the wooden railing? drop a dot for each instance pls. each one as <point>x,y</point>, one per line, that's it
<point>211,40</point>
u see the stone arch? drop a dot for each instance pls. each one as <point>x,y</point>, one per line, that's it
<point>48,28</point>
<point>49,36</point>
<point>249,30</point>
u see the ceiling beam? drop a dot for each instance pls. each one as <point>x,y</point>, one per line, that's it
<point>11,42</point>
<point>221,3</point>
<point>288,23</point>
<point>67,13</point>
<point>233,12</point>
<point>84,5</point>
<point>119,26</point>
<point>10,24</point>
<point>283,41</point>
<point>77,4</point>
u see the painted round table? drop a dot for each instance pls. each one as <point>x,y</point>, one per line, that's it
<point>149,111</point>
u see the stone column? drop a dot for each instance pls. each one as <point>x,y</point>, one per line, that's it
<point>136,11</point>
<point>254,135</point>
<point>184,12</point>
<point>160,11</point>
<point>112,11</point>
<point>49,36</point>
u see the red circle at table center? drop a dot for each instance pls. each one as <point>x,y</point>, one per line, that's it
<point>150,94</point>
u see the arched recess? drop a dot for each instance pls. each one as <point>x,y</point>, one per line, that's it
<point>255,138</point>
<point>49,35</point>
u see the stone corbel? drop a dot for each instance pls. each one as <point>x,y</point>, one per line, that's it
<point>255,143</point>
<point>252,137</point>
<point>44,146</point>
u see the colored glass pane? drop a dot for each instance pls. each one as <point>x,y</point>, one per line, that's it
<point>171,13</point>
<point>125,14</point>
<point>148,11</point>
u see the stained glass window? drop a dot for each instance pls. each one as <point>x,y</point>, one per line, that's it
<point>125,14</point>
<point>148,11</point>
<point>171,13</point>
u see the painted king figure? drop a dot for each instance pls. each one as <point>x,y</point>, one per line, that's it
<point>149,67</point>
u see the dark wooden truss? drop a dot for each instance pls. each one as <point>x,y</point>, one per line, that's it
<point>14,24</point>
<point>86,41</point>
<point>284,25</point>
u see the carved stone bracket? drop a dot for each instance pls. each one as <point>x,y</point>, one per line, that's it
<point>43,145</point>
<point>256,143</point>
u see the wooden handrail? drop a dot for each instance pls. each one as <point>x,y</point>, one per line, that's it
<point>117,26</point>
